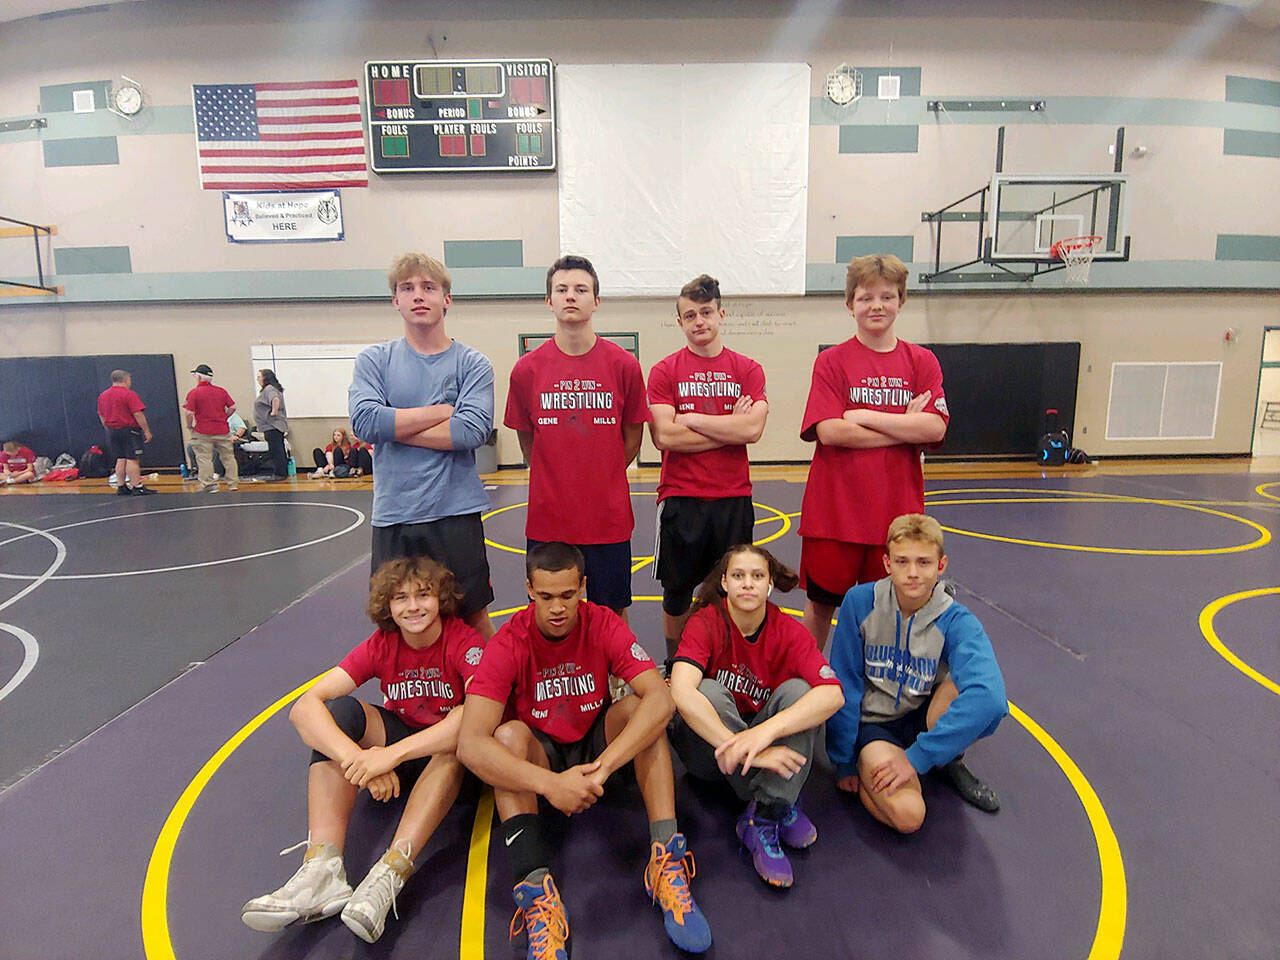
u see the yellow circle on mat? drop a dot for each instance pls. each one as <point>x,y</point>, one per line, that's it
<point>1261,490</point>
<point>1211,635</point>
<point>1108,937</point>
<point>1071,496</point>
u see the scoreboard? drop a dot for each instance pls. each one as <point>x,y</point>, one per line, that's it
<point>428,116</point>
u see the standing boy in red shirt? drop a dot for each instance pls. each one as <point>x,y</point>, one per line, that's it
<point>875,402</point>
<point>577,404</point>
<point>707,403</point>
<point>548,667</point>
<point>120,410</point>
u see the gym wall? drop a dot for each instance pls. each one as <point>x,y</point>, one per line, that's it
<point>142,252</point>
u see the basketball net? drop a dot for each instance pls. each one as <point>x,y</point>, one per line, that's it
<point>1077,254</point>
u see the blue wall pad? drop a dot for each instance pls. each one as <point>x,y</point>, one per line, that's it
<point>879,139</point>
<point>81,260</point>
<point>83,152</point>
<point>1251,90</point>
<point>484,253</point>
<point>1250,143</point>
<point>57,98</point>
<point>849,247</point>
<point>1247,246</point>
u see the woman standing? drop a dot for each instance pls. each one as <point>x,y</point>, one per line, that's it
<point>268,412</point>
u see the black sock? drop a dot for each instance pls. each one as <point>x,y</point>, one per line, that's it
<point>770,811</point>
<point>526,849</point>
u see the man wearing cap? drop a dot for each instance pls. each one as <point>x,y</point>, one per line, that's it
<point>207,408</point>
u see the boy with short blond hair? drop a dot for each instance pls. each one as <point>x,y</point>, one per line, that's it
<point>875,404</point>
<point>920,679</point>
<point>426,402</point>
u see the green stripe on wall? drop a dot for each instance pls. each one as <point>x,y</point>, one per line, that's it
<point>484,253</point>
<point>879,139</point>
<point>92,260</point>
<point>849,247</point>
<point>85,152</point>
<point>57,97</point>
<point>1252,90</point>
<point>1250,143</point>
<point>1247,246</point>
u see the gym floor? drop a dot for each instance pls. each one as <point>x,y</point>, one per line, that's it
<point>149,649</point>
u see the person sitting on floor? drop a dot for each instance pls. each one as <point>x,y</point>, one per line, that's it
<point>17,463</point>
<point>423,656</point>
<point>344,451</point>
<point>752,688</point>
<point>921,683</point>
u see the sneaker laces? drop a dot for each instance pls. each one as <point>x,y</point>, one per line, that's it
<point>768,830</point>
<point>671,882</point>
<point>545,920</point>
<point>383,887</point>
<point>303,875</point>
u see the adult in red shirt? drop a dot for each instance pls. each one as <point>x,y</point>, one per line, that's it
<point>208,407</point>
<point>423,656</point>
<point>577,404</point>
<point>17,463</point>
<point>875,404</point>
<point>707,404</point>
<point>120,410</point>
<point>539,723</point>
<point>752,690</point>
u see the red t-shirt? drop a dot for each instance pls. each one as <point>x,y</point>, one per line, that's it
<point>752,670</point>
<point>694,384</point>
<point>575,407</point>
<point>209,403</point>
<point>117,405</point>
<point>419,686</point>
<point>18,462</point>
<point>559,686</point>
<point>853,495</point>
<point>355,445</point>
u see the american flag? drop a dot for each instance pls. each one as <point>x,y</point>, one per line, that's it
<point>303,135</point>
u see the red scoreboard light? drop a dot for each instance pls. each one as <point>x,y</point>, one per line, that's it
<point>459,115</point>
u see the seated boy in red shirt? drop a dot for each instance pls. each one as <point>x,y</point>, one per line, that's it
<point>423,655</point>
<point>17,463</point>
<point>548,667</point>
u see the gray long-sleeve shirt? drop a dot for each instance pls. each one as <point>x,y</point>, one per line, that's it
<point>413,484</point>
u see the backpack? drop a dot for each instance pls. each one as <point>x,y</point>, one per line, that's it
<point>42,466</point>
<point>93,463</point>
<point>61,473</point>
<point>64,461</point>
<point>1055,445</point>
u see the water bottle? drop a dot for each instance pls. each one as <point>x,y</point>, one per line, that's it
<point>186,472</point>
<point>293,468</point>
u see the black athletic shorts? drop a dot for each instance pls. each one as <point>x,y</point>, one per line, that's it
<point>901,731</point>
<point>562,756</point>
<point>608,572</point>
<point>457,542</point>
<point>123,443</point>
<point>692,535</point>
<point>348,714</point>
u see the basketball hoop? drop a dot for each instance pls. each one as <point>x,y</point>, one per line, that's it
<point>1077,254</point>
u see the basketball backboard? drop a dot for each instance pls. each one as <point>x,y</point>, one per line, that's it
<point>1032,212</point>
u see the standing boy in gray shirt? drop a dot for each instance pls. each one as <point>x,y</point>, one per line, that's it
<point>426,401</point>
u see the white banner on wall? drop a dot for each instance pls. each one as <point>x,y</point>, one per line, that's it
<point>283,215</point>
<point>672,170</point>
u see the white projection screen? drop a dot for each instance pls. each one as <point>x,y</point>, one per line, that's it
<point>672,170</point>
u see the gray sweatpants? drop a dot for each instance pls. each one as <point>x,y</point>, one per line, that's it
<point>763,786</point>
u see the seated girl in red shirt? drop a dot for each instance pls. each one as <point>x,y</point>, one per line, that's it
<point>345,450</point>
<point>423,656</point>
<point>752,688</point>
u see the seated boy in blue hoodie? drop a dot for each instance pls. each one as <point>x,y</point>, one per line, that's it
<point>920,679</point>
